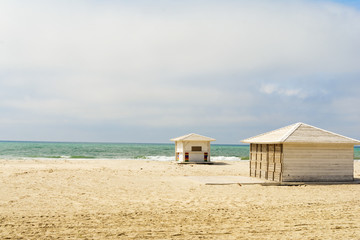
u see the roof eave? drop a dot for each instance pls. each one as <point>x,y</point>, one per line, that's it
<point>287,142</point>
<point>348,143</point>
<point>262,142</point>
<point>193,140</point>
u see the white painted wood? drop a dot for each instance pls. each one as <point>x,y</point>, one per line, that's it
<point>179,146</point>
<point>318,178</point>
<point>192,137</point>
<point>184,146</point>
<point>309,154</point>
<point>301,133</point>
<point>275,136</point>
<point>306,132</point>
<point>196,157</point>
<point>320,162</point>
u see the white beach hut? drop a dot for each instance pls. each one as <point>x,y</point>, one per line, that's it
<point>192,148</point>
<point>301,152</point>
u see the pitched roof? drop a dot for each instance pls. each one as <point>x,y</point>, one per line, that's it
<point>301,133</point>
<point>193,137</point>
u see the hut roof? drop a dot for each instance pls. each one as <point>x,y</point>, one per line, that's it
<point>192,137</point>
<point>301,133</point>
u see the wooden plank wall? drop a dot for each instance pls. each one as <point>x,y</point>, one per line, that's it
<point>278,159</point>
<point>266,161</point>
<point>253,160</point>
<point>318,162</point>
<point>302,162</point>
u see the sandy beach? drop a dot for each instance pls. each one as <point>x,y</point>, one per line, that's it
<point>138,199</point>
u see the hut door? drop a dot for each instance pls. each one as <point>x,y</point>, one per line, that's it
<point>271,168</point>
<point>253,159</point>
<point>278,158</point>
<point>256,163</point>
<point>266,161</point>
<point>275,162</point>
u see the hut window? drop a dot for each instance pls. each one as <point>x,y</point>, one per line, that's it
<point>196,148</point>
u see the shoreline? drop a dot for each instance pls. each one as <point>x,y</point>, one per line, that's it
<point>150,158</point>
<point>170,159</point>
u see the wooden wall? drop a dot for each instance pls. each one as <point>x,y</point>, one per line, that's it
<point>318,162</point>
<point>302,162</point>
<point>266,161</point>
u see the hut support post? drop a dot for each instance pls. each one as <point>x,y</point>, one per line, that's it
<point>175,151</point>
<point>208,151</point>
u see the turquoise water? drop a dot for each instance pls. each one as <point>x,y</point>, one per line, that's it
<point>160,152</point>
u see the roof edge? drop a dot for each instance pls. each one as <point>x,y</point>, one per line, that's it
<point>247,140</point>
<point>291,131</point>
<point>183,138</point>
<point>349,138</point>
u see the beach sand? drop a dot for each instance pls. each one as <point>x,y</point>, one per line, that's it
<point>138,199</point>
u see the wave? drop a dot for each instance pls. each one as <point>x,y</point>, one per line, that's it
<point>149,158</point>
<point>223,158</point>
<point>160,158</point>
<point>172,158</point>
<point>82,157</point>
<point>35,156</point>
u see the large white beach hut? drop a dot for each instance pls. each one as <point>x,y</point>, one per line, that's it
<point>301,152</point>
<point>192,148</point>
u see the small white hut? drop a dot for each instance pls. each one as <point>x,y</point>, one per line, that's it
<point>192,148</point>
<point>301,152</point>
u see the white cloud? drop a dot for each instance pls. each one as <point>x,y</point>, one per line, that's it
<point>157,64</point>
<point>268,88</point>
<point>289,92</point>
<point>219,38</point>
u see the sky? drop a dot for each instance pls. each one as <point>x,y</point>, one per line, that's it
<point>148,71</point>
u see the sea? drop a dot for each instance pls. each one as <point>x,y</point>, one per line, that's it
<point>77,150</point>
<point>146,151</point>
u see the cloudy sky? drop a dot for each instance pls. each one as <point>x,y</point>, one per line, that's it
<point>147,71</point>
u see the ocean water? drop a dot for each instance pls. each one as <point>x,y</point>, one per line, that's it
<point>158,152</point>
<point>63,150</point>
